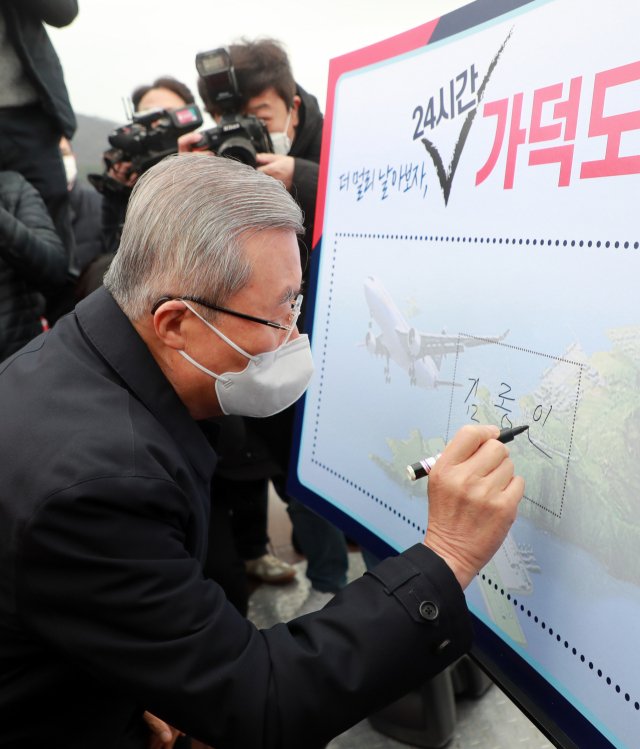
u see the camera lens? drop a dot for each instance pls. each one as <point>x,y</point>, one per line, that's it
<point>240,149</point>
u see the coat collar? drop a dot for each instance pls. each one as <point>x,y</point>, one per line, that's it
<point>115,338</point>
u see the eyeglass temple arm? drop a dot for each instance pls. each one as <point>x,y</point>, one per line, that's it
<point>270,323</point>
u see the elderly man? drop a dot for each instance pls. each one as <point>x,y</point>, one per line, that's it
<point>104,499</point>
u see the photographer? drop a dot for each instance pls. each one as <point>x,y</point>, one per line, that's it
<point>86,211</point>
<point>265,88</point>
<point>291,115</point>
<point>164,93</point>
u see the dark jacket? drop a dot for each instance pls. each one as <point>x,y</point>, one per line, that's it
<point>104,612</point>
<point>39,60</point>
<point>86,220</point>
<point>33,261</point>
<point>266,443</point>
<point>306,152</point>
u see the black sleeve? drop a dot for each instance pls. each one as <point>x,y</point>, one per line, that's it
<point>104,577</point>
<point>114,211</point>
<point>54,12</point>
<point>29,243</point>
<point>305,190</point>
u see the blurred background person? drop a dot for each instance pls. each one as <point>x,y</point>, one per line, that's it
<point>33,262</point>
<point>86,211</point>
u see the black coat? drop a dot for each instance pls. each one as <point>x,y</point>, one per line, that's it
<point>104,612</point>
<point>266,443</point>
<point>306,152</point>
<point>33,261</point>
<point>39,60</point>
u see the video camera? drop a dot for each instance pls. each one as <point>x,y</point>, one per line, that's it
<point>238,136</point>
<point>145,141</point>
<point>152,135</point>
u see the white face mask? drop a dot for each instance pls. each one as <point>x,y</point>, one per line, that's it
<point>281,140</point>
<point>270,382</point>
<point>71,169</point>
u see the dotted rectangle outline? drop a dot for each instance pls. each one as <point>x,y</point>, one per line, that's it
<point>625,695</point>
<point>580,367</point>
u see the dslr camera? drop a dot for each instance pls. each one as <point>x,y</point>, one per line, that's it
<point>238,136</point>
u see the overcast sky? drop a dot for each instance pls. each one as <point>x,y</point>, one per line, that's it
<point>115,45</point>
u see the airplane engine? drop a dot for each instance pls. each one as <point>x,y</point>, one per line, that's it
<point>370,342</point>
<point>413,339</point>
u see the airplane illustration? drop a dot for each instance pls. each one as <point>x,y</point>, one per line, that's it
<point>418,354</point>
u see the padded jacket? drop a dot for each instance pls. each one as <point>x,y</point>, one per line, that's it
<point>33,261</point>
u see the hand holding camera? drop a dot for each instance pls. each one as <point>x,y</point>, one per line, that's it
<point>277,166</point>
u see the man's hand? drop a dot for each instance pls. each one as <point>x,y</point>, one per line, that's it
<point>162,735</point>
<point>473,500</point>
<point>277,166</point>
<point>188,141</point>
<point>122,173</point>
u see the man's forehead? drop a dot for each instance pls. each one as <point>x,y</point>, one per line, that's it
<point>275,257</point>
<point>258,104</point>
<point>267,101</point>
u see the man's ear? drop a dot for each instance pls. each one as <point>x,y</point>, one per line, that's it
<point>169,324</point>
<point>295,119</point>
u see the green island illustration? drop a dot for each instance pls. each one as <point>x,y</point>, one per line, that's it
<point>582,471</point>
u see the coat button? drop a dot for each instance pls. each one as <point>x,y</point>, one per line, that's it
<point>428,610</point>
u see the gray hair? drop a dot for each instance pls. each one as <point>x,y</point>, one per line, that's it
<point>188,220</point>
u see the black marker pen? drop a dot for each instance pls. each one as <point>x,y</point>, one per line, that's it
<point>424,467</point>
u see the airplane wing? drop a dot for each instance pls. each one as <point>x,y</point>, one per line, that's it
<point>446,383</point>
<point>482,340</point>
<point>419,345</point>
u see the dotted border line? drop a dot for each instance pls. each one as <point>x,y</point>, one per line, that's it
<point>525,350</point>
<point>369,494</point>
<point>324,350</point>
<point>573,426</point>
<point>489,240</point>
<point>455,369</point>
<point>543,625</point>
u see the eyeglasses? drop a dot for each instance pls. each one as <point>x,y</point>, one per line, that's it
<point>292,317</point>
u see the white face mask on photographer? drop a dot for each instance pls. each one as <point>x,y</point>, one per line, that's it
<point>269,383</point>
<point>281,141</point>
<point>70,169</point>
